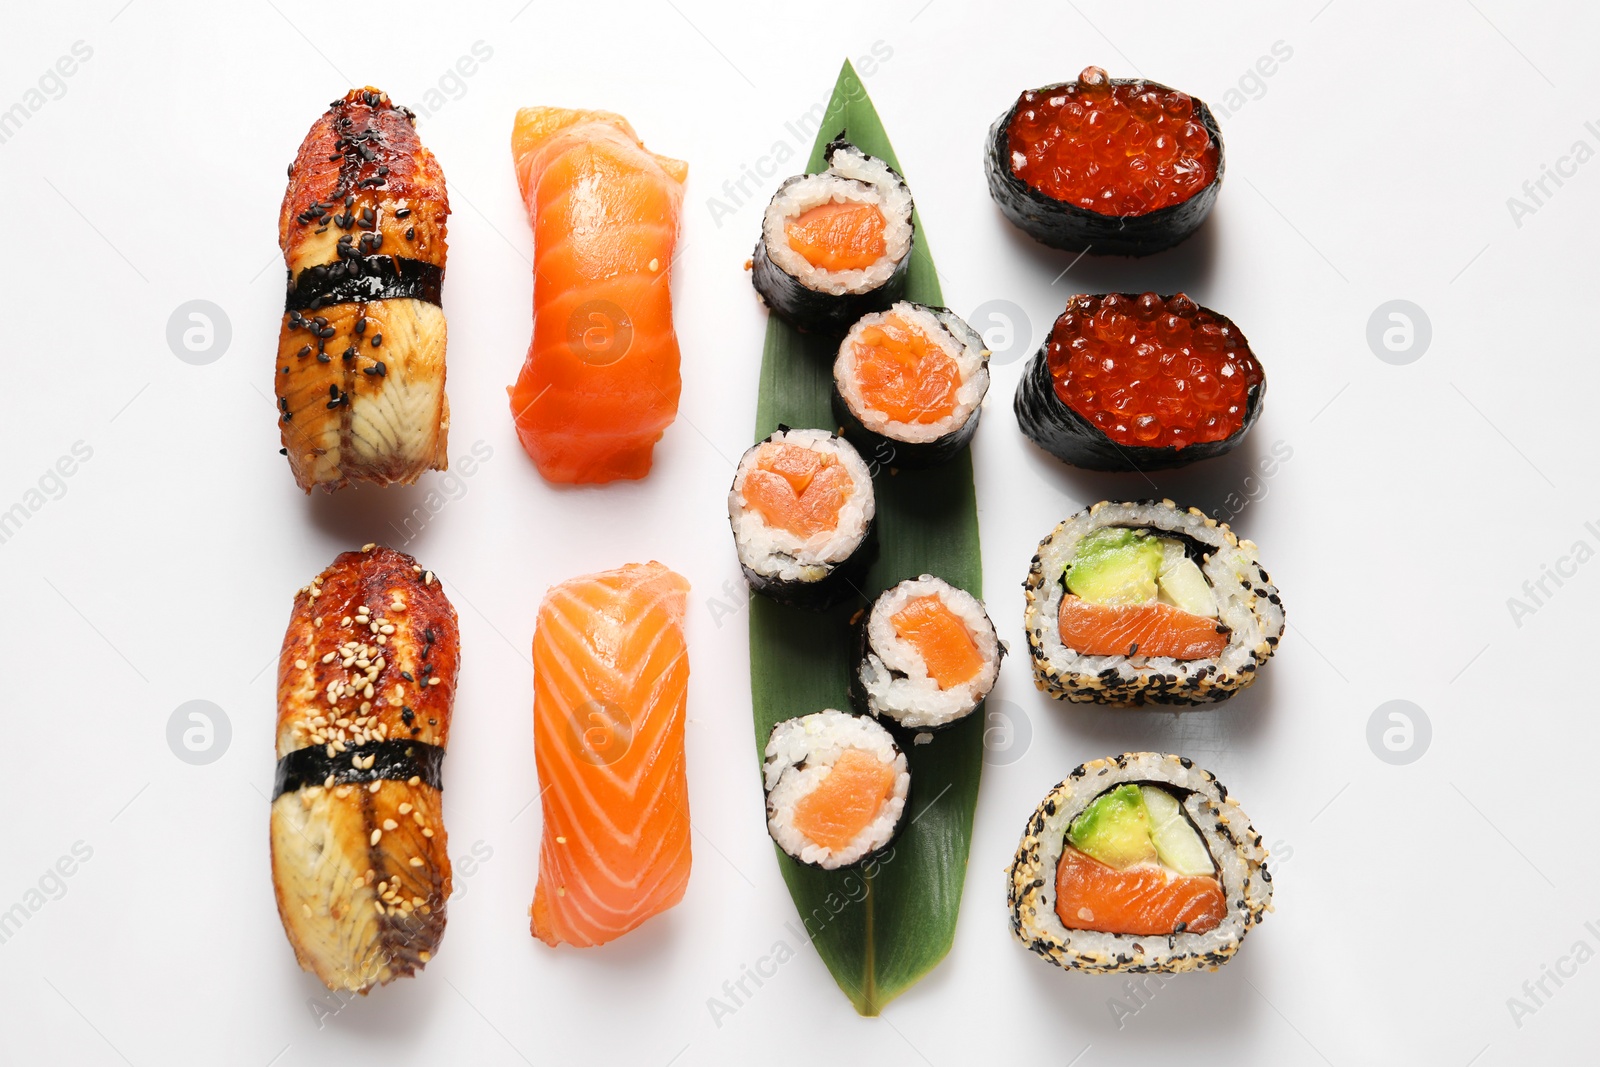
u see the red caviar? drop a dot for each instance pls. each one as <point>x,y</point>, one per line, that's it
<point>1124,149</point>
<point>1151,371</point>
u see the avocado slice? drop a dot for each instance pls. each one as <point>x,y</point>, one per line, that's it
<point>1115,829</point>
<point>1115,565</point>
<point>1182,584</point>
<point>1177,844</point>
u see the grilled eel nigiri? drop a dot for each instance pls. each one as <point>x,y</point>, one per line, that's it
<point>360,368</point>
<point>366,680</point>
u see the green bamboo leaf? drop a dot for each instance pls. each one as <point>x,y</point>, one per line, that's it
<point>882,927</point>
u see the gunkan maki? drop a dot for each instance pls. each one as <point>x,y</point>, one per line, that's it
<point>835,245</point>
<point>1146,382</point>
<point>908,385</point>
<point>1107,165</point>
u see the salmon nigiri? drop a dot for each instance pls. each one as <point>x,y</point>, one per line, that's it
<point>610,670</point>
<point>601,379</point>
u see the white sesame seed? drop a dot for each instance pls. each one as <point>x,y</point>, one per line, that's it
<point>379,905</point>
<point>561,840</point>
<point>377,835</point>
<point>375,786</point>
<point>424,956</point>
<point>405,809</point>
<point>306,910</point>
<point>426,832</point>
<point>413,780</point>
<point>390,824</point>
<point>433,681</point>
<point>369,546</point>
<point>415,861</point>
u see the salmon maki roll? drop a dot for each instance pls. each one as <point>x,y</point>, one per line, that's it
<point>1139,862</point>
<point>366,682</point>
<point>836,788</point>
<point>610,678</point>
<point>600,383</point>
<point>801,508</point>
<point>835,245</point>
<point>908,385</point>
<point>1144,602</point>
<point>926,655</point>
<point>361,350</point>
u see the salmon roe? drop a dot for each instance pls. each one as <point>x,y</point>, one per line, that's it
<point>1152,372</point>
<point>1123,149</point>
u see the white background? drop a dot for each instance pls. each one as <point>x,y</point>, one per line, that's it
<point>1374,164</point>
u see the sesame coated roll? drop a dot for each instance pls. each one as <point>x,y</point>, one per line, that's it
<point>366,680</point>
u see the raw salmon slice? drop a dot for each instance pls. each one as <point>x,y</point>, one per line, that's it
<point>798,489</point>
<point>941,637</point>
<point>904,374</point>
<point>1153,629</point>
<point>838,236</point>
<point>1144,899</point>
<point>610,671</point>
<point>846,801</point>
<point>601,382</point>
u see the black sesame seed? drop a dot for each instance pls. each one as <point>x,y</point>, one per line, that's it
<point>361,325</point>
<point>377,339</point>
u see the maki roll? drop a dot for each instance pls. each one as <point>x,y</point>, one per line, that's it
<point>1129,603</point>
<point>1126,382</point>
<point>927,655</point>
<point>835,245</point>
<point>1139,862</point>
<point>801,508</point>
<point>1114,166</point>
<point>908,384</point>
<point>836,788</point>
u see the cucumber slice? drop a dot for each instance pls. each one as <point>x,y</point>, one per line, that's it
<point>1177,843</point>
<point>1181,583</point>
<point>1115,829</point>
<point>1115,565</point>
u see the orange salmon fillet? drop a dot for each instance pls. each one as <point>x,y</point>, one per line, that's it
<point>610,673</point>
<point>1138,629</point>
<point>601,380</point>
<point>1143,900</point>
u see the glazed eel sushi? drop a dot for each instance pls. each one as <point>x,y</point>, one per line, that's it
<point>1137,863</point>
<point>801,508</point>
<point>908,384</point>
<point>1129,382</point>
<point>836,787</point>
<point>366,681</point>
<point>1129,603</point>
<point>927,655</point>
<point>360,367</point>
<point>1110,166</point>
<point>837,244</point>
